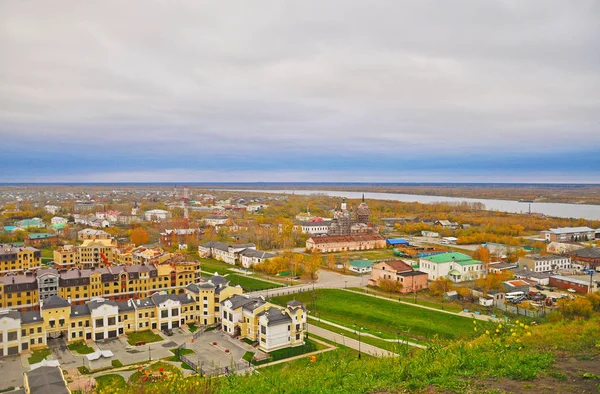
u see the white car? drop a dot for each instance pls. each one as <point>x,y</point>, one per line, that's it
<point>571,291</point>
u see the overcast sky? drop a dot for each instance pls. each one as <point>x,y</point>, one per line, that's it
<point>300,90</point>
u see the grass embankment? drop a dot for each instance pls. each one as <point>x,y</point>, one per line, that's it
<point>423,298</point>
<point>561,357</point>
<point>250,284</point>
<point>143,336</point>
<point>106,383</point>
<point>383,318</point>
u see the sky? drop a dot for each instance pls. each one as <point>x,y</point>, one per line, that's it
<point>318,91</point>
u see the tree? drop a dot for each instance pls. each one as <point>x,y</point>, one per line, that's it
<point>331,261</point>
<point>483,255</point>
<point>139,236</point>
<point>389,285</point>
<point>440,286</point>
<point>313,264</point>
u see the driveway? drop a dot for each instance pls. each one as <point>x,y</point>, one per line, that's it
<point>61,353</point>
<point>12,371</point>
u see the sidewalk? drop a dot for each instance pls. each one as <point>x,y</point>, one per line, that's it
<point>366,334</point>
<point>351,343</point>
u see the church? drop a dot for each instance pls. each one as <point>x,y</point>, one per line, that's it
<point>346,222</point>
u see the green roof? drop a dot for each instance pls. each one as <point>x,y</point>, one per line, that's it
<point>58,226</point>
<point>40,235</point>
<point>456,257</point>
<point>454,272</point>
<point>361,263</point>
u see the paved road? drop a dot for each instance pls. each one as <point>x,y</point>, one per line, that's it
<point>326,280</point>
<point>349,342</point>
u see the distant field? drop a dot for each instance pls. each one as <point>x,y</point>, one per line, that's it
<point>249,283</point>
<point>383,316</point>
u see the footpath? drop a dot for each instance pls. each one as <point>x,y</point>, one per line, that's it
<point>366,334</point>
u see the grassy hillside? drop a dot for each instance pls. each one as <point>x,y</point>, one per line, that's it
<point>381,316</point>
<point>562,357</point>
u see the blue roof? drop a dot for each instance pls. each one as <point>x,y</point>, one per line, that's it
<point>9,228</point>
<point>397,241</point>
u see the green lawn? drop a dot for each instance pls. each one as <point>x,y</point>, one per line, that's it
<point>249,283</point>
<point>377,315</point>
<point>80,348</point>
<point>146,336</point>
<point>109,383</point>
<point>39,355</point>
<point>423,298</point>
<point>212,266</point>
<point>192,327</point>
<point>47,253</point>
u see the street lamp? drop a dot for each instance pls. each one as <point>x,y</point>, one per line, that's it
<point>358,331</point>
<point>345,284</point>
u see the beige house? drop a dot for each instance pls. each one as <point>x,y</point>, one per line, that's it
<point>342,243</point>
<point>401,272</point>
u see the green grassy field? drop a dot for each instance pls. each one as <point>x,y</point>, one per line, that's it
<point>250,283</point>
<point>109,382</point>
<point>143,336</point>
<point>422,299</point>
<point>389,318</point>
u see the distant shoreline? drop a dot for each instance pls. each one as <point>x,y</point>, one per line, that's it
<point>565,193</point>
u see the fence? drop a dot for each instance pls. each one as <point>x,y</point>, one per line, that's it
<point>514,309</point>
<point>212,370</point>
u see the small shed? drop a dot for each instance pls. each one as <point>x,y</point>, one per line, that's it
<point>397,241</point>
<point>451,296</point>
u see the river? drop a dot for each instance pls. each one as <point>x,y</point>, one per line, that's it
<point>584,211</point>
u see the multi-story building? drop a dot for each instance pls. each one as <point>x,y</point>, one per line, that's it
<point>81,285</point>
<point>401,272</point>
<point>271,326</point>
<point>568,234</point>
<point>31,223</point>
<point>249,257</point>
<point>41,239</point>
<point>91,253</point>
<point>15,259</point>
<point>157,215</point>
<point>180,236</point>
<point>587,257</point>
<point>228,253</point>
<point>93,234</point>
<point>341,243</point>
<point>455,266</point>
<point>315,227</point>
<point>101,318</point>
<point>215,220</point>
<point>547,263</point>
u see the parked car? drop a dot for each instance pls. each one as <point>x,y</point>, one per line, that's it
<point>571,290</point>
<point>539,287</point>
<point>168,332</point>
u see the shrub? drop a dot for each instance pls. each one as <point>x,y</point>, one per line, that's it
<point>116,363</point>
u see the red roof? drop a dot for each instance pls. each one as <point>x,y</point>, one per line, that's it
<point>347,238</point>
<point>398,265</point>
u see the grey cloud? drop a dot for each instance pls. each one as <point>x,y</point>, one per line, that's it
<point>303,74</point>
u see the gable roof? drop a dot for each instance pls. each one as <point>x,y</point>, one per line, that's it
<point>397,265</point>
<point>46,380</point>
<point>275,316</point>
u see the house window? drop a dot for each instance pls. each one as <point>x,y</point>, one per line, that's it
<point>263,330</point>
<point>99,322</point>
<point>174,312</point>
<point>164,313</point>
<point>111,321</point>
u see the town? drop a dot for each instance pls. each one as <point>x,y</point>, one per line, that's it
<point>100,289</point>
